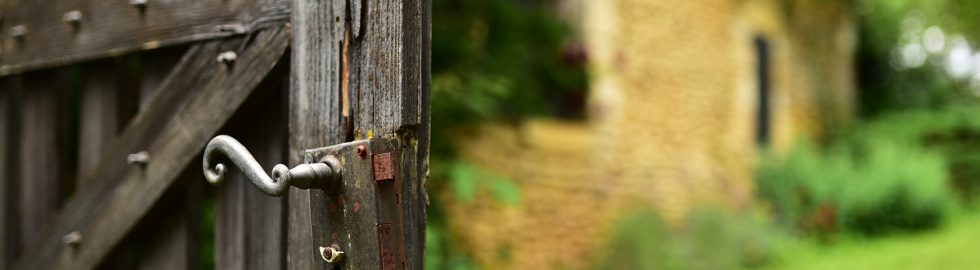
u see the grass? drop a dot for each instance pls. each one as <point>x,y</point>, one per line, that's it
<point>953,246</point>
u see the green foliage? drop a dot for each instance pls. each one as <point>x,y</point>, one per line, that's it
<point>953,131</point>
<point>440,254</point>
<point>467,179</point>
<point>893,174</point>
<point>885,87</point>
<point>500,59</point>
<point>874,188</point>
<point>640,241</point>
<point>492,60</point>
<point>710,239</point>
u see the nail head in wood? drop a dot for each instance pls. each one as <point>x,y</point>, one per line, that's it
<point>73,17</point>
<point>138,3</point>
<point>227,57</point>
<point>18,31</point>
<point>72,239</point>
<point>231,28</point>
<point>140,158</point>
<point>362,151</point>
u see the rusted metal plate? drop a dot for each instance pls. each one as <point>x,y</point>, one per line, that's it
<point>383,167</point>
<point>386,246</point>
<point>362,214</point>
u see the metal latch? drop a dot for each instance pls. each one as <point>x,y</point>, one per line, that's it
<point>305,176</point>
<point>355,195</point>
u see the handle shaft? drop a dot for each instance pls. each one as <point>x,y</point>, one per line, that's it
<point>302,176</point>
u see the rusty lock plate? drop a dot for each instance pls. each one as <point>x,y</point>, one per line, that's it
<point>362,214</point>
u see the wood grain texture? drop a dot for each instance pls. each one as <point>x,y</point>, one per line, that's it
<point>115,27</point>
<point>167,242</point>
<point>43,172</point>
<point>5,194</point>
<point>362,215</point>
<point>101,117</point>
<point>389,91</point>
<point>154,67</point>
<point>176,123</point>
<point>168,236</point>
<point>9,137</point>
<point>167,245</point>
<point>250,226</point>
<point>391,85</point>
<point>314,111</point>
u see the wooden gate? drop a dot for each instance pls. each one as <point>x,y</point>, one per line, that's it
<point>106,106</point>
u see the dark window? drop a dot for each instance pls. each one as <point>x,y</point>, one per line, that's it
<point>763,123</point>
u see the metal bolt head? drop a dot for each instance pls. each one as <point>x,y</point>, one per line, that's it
<point>227,57</point>
<point>231,28</point>
<point>73,17</point>
<point>140,158</point>
<point>331,254</point>
<point>72,239</point>
<point>362,151</point>
<point>18,31</point>
<point>138,3</point>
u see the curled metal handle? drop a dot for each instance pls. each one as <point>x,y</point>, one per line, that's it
<point>303,176</point>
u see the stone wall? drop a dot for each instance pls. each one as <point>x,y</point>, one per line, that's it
<point>672,117</point>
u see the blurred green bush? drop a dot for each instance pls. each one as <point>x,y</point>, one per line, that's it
<point>896,173</point>
<point>710,238</point>
<point>870,188</point>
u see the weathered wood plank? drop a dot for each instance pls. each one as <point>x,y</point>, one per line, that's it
<point>265,224</point>
<point>43,172</point>
<point>388,84</point>
<point>115,27</point>
<point>419,194</point>
<point>9,138</point>
<point>169,238</point>
<point>229,223</point>
<point>250,227</point>
<point>165,238</point>
<point>362,215</point>
<point>101,117</point>
<point>166,245</point>
<point>314,111</point>
<point>171,129</point>
<point>391,84</point>
<point>5,230</point>
<point>154,68</point>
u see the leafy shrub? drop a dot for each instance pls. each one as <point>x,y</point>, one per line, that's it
<point>953,131</point>
<point>640,241</point>
<point>896,186</point>
<point>867,183</point>
<point>709,239</point>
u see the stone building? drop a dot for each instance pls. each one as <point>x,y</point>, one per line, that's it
<point>684,97</point>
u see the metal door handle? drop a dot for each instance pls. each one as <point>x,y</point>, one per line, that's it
<point>303,176</point>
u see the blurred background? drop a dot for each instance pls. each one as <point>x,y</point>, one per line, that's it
<point>709,134</point>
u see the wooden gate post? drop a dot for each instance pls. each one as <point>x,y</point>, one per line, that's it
<point>360,70</point>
